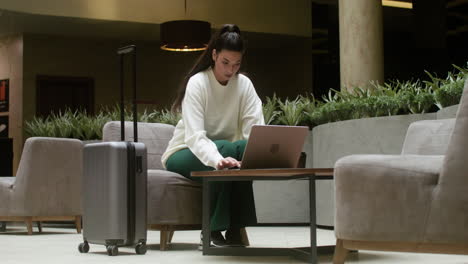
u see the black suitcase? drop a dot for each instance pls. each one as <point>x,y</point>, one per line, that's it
<point>114,187</point>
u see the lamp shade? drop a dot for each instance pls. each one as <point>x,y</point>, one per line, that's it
<point>185,35</point>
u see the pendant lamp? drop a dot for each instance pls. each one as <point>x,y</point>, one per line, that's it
<point>185,35</point>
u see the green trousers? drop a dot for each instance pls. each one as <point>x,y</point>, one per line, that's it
<point>232,203</point>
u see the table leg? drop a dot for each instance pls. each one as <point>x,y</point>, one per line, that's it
<point>307,254</point>
<point>313,228</point>
<point>206,232</point>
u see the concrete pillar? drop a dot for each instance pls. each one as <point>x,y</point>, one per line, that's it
<point>361,42</point>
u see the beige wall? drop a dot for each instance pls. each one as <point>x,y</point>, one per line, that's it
<point>158,71</point>
<point>11,67</point>
<point>272,16</point>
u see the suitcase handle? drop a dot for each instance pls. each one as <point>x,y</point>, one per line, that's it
<point>121,52</point>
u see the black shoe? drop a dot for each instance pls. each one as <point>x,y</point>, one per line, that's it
<point>233,238</point>
<point>217,240</point>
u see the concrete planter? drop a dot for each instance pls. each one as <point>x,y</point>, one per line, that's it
<point>378,135</point>
<point>288,201</point>
<point>447,112</point>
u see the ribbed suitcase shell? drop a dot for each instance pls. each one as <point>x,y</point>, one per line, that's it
<point>108,203</point>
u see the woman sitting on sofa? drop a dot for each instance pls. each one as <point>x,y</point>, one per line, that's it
<point>219,106</point>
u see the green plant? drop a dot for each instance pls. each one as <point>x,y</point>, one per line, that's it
<point>68,124</point>
<point>362,107</point>
<point>332,112</point>
<point>386,105</point>
<point>309,105</point>
<point>148,117</point>
<point>92,125</point>
<point>451,89</point>
<point>65,123</point>
<point>167,117</point>
<point>113,112</point>
<point>291,112</point>
<point>449,93</point>
<point>80,125</point>
<point>334,96</point>
<point>390,98</point>
<point>414,97</point>
<point>270,110</point>
<point>39,127</point>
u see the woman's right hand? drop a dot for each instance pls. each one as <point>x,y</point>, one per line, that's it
<point>227,163</point>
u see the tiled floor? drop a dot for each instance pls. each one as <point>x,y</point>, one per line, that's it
<point>59,245</point>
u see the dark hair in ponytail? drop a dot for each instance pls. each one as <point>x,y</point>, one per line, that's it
<point>227,38</point>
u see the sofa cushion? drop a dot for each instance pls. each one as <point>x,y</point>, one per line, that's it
<point>173,199</point>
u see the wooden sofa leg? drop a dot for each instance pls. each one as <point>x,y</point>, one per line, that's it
<point>163,240</point>
<point>171,234</point>
<point>29,225</point>
<point>39,226</point>
<point>78,223</point>
<point>340,252</point>
<point>244,237</point>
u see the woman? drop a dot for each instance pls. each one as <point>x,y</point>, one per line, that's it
<point>219,106</point>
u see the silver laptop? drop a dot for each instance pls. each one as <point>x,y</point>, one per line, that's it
<point>274,147</point>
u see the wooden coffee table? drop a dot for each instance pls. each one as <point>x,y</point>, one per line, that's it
<point>308,254</point>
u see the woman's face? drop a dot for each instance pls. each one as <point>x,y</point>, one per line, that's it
<point>226,64</point>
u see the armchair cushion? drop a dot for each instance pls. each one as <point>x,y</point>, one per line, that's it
<point>384,197</point>
<point>48,181</point>
<point>415,203</point>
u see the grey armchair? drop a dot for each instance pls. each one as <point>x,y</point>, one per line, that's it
<point>47,186</point>
<point>174,202</point>
<point>413,202</point>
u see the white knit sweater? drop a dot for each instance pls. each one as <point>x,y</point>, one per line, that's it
<point>211,111</point>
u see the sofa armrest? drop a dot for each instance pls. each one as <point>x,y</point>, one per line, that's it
<point>428,137</point>
<point>6,189</point>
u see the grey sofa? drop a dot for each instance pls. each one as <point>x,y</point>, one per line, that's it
<point>174,202</point>
<point>47,186</point>
<point>410,202</point>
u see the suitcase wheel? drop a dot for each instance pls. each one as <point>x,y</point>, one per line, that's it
<point>112,250</point>
<point>140,248</point>
<point>83,247</point>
